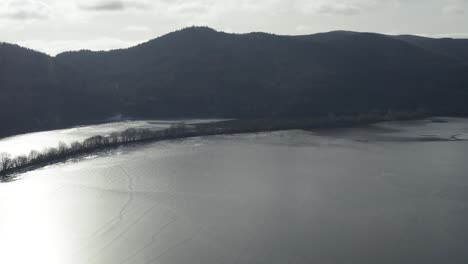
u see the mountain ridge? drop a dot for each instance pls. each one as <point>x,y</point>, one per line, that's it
<point>201,72</point>
<point>405,37</point>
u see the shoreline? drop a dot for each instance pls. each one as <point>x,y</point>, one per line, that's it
<point>21,164</point>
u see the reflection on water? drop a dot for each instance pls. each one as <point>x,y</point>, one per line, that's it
<point>31,227</point>
<point>342,196</point>
<point>23,144</point>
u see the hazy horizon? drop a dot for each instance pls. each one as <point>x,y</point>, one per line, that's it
<point>53,26</point>
<point>197,26</point>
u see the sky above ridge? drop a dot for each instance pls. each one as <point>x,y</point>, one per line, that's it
<point>54,26</point>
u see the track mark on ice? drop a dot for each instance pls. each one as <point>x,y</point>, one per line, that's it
<point>106,227</point>
<point>174,247</point>
<point>153,239</point>
<point>127,229</point>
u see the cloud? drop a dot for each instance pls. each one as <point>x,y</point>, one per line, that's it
<point>330,8</point>
<point>113,5</point>
<point>23,15</point>
<point>105,6</point>
<point>302,28</point>
<point>191,8</point>
<point>338,9</point>
<point>187,8</point>
<point>137,29</point>
<point>25,10</point>
<point>453,10</point>
<point>47,21</point>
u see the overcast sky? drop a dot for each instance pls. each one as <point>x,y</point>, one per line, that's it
<point>53,26</point>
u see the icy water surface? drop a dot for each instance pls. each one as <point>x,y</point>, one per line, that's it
<point>388,193</point>
<point>39,141</point>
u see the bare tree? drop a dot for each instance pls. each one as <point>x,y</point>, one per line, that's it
<point>62,148</point>
<point>90,144</point>
<point>21,161</point>
<point>76,147</point>
<point>5,161</point>
<point>33,155</point>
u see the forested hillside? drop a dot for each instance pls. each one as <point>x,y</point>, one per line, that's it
<point>199,72</point>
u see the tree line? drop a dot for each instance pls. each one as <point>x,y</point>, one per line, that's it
<point>9,165</point>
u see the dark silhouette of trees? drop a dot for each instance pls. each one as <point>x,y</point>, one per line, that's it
<point>9,165</point>
<point>5,161</point>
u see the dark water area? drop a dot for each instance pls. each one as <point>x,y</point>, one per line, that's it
<point>395,192</point>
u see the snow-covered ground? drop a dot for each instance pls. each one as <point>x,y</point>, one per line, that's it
<point>39,141</point>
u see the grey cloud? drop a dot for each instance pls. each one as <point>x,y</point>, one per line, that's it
<point>453,10</point>
<point>24,15</point>
<point>105,6</point>
<point>331,8</point>
<point>113,5</point>
<point>25,10</point>
<point>193,9</point>
<point>338,9</point>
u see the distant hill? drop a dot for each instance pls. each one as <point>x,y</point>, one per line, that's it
<point>29,90</point>
<point>454,48</point>
<point>199,72</point>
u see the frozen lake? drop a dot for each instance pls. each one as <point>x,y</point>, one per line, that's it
<point>39,141</point>
<point>388,193</point>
